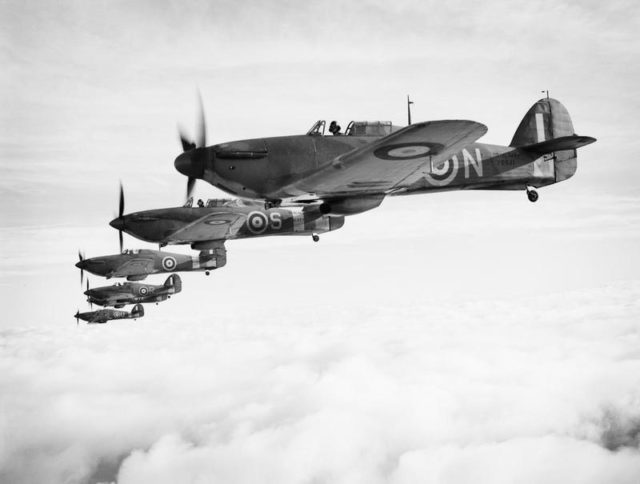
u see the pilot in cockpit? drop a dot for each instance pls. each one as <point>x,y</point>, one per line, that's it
<point>334,128</point>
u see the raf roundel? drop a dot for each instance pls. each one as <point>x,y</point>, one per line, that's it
<point>444,173</point>
<point>144,290</point>
<point>407,151</point>
<point>169,263</point>
<point>257,222</point>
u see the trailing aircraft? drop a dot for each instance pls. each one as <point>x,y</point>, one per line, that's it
<point>351,173</point>
<point>122,293</point>
<point>103,315</point>
<point>208,227</point>
<point>137,264</point>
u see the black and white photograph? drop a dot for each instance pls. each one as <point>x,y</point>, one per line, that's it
<point>319,242</point>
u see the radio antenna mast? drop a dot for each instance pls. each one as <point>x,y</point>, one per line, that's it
<point>409,103</point>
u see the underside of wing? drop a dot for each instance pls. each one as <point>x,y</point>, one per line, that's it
<point>391,162</point>
<point>216,226</point>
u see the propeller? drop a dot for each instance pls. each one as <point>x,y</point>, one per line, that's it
<point>118,222</point>
<point>120,213</point>
<point>77,316</point>
<point>89,298</point>
<point>81,257</point>
<point>191,144</point>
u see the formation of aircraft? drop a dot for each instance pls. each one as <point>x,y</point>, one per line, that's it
<point>306,184</point>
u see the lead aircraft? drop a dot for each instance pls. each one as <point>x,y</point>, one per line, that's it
<point>351,173</point>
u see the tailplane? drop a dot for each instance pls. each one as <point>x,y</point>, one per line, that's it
<point>558,144</point>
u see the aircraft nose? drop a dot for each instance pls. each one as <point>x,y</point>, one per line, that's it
<point>117,223</point>
<point>81,264</point>
<point>191,163</point>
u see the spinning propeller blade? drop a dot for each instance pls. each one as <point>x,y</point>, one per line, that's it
<point>120,214</point>
<point>200,140</point>
<point>77,317</point>
<point>191,183</point>
<point>90,303</point>
<point>81,257</point>
<point>121,206</point>
<point>202,124</point>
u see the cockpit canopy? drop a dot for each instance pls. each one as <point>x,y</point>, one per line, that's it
<point>357,128</point>
<point>224,202</point>
<point>131,251</point>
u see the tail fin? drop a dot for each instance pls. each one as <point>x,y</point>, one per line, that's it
<point>547,119</point>
<point>137,311</point>
<point>175,282</point>
<point>547,128</point>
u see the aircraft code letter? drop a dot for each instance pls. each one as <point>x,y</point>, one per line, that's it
<point>276,221</point>
<point>469,161</point>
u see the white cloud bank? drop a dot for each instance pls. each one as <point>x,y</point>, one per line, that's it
<point>544,389</point>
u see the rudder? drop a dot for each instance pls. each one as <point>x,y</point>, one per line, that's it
<point>174,281</point>
<point>547,120</point>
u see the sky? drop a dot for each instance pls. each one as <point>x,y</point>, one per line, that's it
<point>447,338</point>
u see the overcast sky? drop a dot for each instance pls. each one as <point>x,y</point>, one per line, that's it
<point>446,338</point>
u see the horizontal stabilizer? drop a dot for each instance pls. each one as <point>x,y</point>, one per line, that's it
<point>558,144</point>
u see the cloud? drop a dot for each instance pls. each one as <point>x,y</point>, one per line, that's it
<point>527,389</point>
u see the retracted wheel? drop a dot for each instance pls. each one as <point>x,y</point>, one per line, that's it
<point>315,237</point>
<point>532,195</point>
<point>207,273</point>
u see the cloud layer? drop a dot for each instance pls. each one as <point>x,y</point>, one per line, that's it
<point>528,390</point>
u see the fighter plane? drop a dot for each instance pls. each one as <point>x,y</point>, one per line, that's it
<point>120,294</point>
<point>207,228</point>
<point>103,315</point>
<point>351,173</point>
<point>137,264</point>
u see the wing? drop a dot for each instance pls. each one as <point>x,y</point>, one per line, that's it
<point>215,226</point>
<point>391,163</point>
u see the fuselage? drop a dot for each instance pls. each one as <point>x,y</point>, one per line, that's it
<point>268,176</point>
